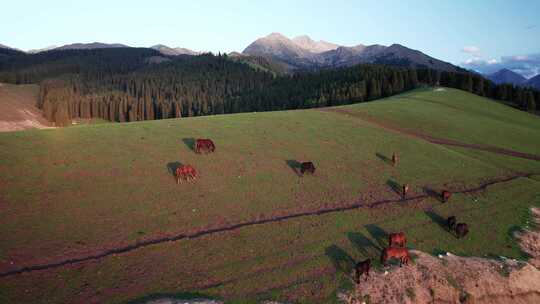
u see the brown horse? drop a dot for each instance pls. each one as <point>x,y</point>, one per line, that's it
<point>397,239</point>
<point>397,253</point>
<point>204,145</point>
<point>362,267</point>
<point>307,167</point>
<point>186,172</point>
<point>395,159</point>
<point>405,190</point>
<point>445,195</point>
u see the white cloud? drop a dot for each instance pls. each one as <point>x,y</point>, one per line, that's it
<point>473,50</point>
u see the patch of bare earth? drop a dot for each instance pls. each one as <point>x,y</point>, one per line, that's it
<point>18,109</point>
<point>453,279</point>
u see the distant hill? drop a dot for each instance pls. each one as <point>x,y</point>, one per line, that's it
<point>35,51</point>
<point>89,46</point>
<point>304,53</point>
<point>165,50</point>
<point>534,82</point>
<point>507,76</point>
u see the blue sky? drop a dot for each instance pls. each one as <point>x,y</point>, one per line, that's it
<point>478,32</point>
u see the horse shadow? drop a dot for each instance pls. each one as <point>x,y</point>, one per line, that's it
<point>397,188</point>
<point>171,167</point>
<point>384,158</point>
<point>437,219</point>
<point>189,142</point>
<point>295,166</point>
<point>432,193</point>
<point>378,234</point>
<point>362,244</point>
<point>341,260</point>
<point>174,296</point>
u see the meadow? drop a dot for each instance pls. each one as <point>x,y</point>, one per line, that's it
<point>250,228</point>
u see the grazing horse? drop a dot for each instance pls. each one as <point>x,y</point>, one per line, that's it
<point>362,267</point>
<point>186,172</point>
<point>307,167</point>
<point>446,195</point>
<point>397,239</point>
<point>461,230</point>
<point>405,190</point>
<point>204,144</point>
<point>398,253</point>
<point>451,222</point>
<point>395,159</point>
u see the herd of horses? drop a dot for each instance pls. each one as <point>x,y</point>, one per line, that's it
<point>396,241</point>
<point>205,145</point>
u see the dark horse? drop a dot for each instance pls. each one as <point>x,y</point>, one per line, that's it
<point>307,167</point>
<point>451,222</point>
<point>362,267</point>
<point>204,145</point>
<point>461,230</point>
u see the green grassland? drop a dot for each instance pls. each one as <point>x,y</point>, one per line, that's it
<point>70,192</point>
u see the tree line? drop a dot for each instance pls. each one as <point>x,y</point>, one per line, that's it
<point>125,85</point>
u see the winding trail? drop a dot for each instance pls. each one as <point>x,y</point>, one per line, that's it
<point>431,139</point>
<point>202,233</point>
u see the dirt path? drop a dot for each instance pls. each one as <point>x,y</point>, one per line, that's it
<point>18,110</point>
<point>439,141</point>
<point>159,240</point>
<point>454,279</point>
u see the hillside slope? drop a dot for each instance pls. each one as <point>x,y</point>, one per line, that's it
<point>98,204</point>
<point>18,109</point>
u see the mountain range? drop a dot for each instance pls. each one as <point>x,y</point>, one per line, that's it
<point>507,76</point>
<point>278,53</point>
<point>511,77</point>
<point>304,53</point>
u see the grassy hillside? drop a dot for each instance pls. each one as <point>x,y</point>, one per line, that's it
<point>78,191</point>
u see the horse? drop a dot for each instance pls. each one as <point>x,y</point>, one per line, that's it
<point>397,239</point>
<point>451,222</point>
<point>461,230</point>
<point>395,159</point>
<point>362,267</point>
<point>307,167</point>
<point>204,144</point>
<point>398,253</point>
<point>445,195</point>
<point>405,190</point>
<point>186,172</point>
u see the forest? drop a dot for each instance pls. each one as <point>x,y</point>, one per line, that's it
<point>133,84</point>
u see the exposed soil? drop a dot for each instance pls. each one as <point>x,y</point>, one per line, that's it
<point>18,110</point>
<point>452,279</point>
<point>439,141</point>
<point>162,239</point>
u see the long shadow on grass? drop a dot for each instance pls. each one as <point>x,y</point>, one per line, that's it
<point>175,296</point>
<point>431,192</point>
<point>395,186</point>
<point>437,219</point>
<point>342,261</point>
<point>378,234</point>
<point>189,142</point>
<point>295,166</point>
<point>171,167</point>
<point>384,158</point>
<point>363,244</point>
